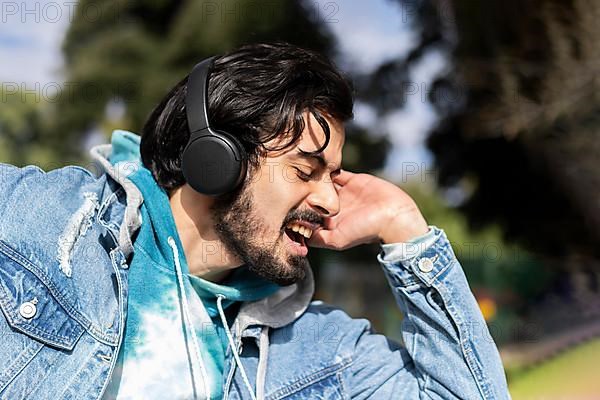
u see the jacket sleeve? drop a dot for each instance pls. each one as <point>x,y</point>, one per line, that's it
<point>448,352</point>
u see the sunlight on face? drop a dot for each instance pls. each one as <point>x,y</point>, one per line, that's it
<point>288,186</point>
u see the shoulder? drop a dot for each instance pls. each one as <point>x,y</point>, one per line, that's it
<point>325,313</point>
<point>58,230</point>
<point>325,330</point>
<point>21,183</point>
<point>8,172</point>
<point>43,213</point>
<point>318,348</point>
<point>32,195</point>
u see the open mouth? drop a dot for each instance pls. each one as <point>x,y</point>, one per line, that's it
<point>297,235</point>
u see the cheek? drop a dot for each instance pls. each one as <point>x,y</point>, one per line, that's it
<point>276,195</point>
<point>275,187</point>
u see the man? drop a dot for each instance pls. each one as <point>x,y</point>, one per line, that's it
<point>134,285</point>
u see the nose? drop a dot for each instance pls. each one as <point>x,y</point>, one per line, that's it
<point>324,198</point>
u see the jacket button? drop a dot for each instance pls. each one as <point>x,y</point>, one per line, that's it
<point>425,264</point>
<point>27,310</point>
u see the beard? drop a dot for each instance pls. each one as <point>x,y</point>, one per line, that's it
<point>240,229</point>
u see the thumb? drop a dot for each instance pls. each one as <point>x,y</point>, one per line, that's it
<point>324,239</point>
<point>343,177</point>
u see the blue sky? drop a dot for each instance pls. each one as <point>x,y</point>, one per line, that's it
<point>30,38</point>
<point>369,33</point>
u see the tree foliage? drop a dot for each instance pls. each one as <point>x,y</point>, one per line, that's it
<point>520,117</point>
<point>132,52</point>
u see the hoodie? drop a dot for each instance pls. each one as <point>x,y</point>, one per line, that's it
<point>178,325</point>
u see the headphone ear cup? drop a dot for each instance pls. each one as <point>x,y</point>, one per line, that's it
<point>214,163</point>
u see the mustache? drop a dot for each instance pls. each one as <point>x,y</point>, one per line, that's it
<point>304,215</point>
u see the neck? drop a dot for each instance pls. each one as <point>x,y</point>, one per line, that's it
<point>206,255</point>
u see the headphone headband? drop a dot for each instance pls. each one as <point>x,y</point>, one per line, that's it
<point>197,96</point>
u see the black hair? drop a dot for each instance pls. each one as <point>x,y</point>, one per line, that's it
<point>256,92</point>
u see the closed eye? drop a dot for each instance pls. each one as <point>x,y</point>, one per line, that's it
<point>302,175</point>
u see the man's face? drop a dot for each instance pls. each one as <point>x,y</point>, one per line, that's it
<point>254,221</point>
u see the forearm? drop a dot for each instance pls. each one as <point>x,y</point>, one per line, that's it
<point>443,329</point>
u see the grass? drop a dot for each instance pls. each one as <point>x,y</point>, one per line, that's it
<point>572,375</point>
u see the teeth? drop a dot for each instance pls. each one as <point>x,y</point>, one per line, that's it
<point>304,231</point>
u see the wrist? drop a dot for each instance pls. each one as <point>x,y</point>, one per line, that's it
<point>402,227</point>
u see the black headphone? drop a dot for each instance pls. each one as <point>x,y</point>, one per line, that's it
<point>213,162</point>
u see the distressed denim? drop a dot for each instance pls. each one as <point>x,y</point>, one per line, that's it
<point>63,300</point>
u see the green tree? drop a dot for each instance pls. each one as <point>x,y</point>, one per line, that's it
<point>526,134</point>
<point>22,139</point>
<point>133,52</point>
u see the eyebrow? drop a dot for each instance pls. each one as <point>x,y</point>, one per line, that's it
<point>308,156</point>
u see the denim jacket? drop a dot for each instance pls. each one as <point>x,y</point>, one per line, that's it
<point>65,244</point>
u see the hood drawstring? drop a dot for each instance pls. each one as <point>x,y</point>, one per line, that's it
<point>187,321</point>
<point>263,353</point>
<point>188,324</point>
<point>220,298</point>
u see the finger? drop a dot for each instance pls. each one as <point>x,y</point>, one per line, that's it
<point>323,238</point>
<point>329,223</point>
<point>343,177</point>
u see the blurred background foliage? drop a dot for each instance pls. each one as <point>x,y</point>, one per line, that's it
<point>515,150</point>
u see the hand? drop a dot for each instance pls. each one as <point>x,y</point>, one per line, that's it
<point>371,210</point>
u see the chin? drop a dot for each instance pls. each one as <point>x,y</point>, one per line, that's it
<point>282,273</point>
